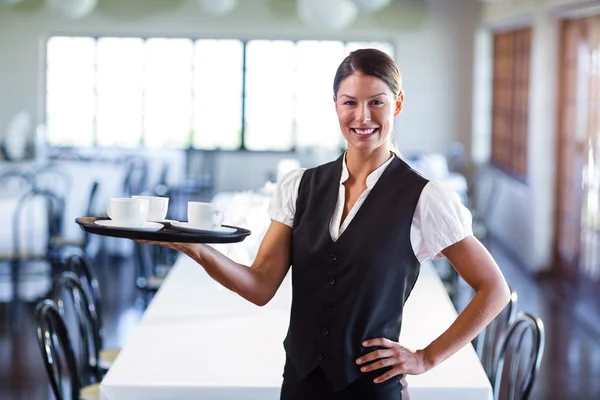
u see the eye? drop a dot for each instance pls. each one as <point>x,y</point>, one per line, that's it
<point>349,103</point>
<point>377,102</point>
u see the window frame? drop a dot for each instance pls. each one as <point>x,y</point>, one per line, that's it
<point>244,42</point>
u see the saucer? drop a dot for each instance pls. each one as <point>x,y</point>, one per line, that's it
<point>147,227</point>
<point>187,227</point>
<point>164,221</point>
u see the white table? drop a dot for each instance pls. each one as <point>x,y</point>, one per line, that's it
<point>197,340</point>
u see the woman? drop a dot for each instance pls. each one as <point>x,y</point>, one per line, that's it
<point>356,231</point>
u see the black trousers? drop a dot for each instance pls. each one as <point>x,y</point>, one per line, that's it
<point>315,386</point>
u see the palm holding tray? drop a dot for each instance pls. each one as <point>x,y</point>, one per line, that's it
<point>143,218</point>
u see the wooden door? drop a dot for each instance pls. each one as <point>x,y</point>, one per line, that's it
<point>577,134</point>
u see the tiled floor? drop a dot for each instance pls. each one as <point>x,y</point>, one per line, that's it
<point>570,368</point>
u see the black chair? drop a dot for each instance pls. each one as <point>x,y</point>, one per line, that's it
<point>17,180</point>
<point>513,350</point>
<point>482,198</point>
<point>52,177</point>
<point>152,265</point>
<point>21,255</point>
<point>81,266</point>
<point>199,185</point>
<point>136,177</point>
<point>60,244</point>
<point>52,337</point>
<point>489,341</point>
<point>68,289</point>
<point>162,186</point>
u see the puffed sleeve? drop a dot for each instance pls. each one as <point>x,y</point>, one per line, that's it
<point>283,202</point>
<point>440,220</point>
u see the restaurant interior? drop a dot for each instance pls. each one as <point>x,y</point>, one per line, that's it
<point>107,99</point>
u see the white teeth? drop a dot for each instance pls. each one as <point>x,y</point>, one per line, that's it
<point>364,131</point>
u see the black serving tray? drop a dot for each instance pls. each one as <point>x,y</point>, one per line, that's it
<point>167,234</point>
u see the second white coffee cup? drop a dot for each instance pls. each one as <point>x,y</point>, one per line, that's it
<point>207,216</point>
<point>158,208</point>
<point>128,212</point>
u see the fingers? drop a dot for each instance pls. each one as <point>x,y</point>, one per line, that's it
<point>390,374</point>
<point>386,362</point>
<point>383,342</point>
<point>150,242</point>
<point>374,356</point>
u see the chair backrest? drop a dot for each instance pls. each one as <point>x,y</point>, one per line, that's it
<point>52,177</point>
<point>89,341</point>
<point>162,186</point>
<point>55,208</point>
<point>491,338</point>
<point>52,337</point>
<point>91,206</point>
<point>512,348</point>
<point>201,166</point>
<point>136,177</point>
<point>82,267</point>
<point>482,194</point>
<point>16,180</point>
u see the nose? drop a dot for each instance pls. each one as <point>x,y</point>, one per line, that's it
<point>363,114</point>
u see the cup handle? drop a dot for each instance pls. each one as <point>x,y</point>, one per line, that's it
<point>219,215</point>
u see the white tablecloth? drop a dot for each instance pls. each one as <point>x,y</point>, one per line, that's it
<point>198,340</point>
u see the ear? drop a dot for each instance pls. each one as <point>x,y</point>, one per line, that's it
<point>335,102</point>
<point>399,103</point>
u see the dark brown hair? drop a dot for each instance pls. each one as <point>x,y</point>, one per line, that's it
<point>371,62</point>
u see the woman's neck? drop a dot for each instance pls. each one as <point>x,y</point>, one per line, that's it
<point>360,164</point>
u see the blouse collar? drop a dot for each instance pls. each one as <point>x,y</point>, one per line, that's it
<point>373,176</point>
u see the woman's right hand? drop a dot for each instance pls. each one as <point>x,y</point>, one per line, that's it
<point>190,249</point>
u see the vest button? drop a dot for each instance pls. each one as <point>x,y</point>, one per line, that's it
<point>325,331</point>
<point>320,357</point>
<point>332,280</point>
<point>333,256</point>
<point>327,307</point>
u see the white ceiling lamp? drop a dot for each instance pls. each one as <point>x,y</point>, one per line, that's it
<point>371,5</point>
<point>74,9</point>
<point>217,8</point>
<point>327,14</point>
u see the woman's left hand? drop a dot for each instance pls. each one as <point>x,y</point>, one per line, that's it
<point>392,354</point>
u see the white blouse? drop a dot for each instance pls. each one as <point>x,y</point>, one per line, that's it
<point>440,218</point>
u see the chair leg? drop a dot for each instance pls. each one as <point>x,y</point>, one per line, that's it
<point>14,304</point>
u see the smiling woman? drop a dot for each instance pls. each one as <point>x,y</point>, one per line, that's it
<point>369,221</point>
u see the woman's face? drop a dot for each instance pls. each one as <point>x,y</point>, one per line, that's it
<point>366,108</point>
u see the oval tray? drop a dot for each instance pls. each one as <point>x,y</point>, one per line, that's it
<point>167,234</point>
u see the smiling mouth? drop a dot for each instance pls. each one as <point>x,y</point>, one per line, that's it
<point>364,132</point>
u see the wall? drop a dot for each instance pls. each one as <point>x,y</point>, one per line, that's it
<point>433,38</point>
<point>523,216</point>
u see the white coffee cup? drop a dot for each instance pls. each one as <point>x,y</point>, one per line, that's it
<point>128,212</point>
<point>207,216</point>
<point>159,206</point>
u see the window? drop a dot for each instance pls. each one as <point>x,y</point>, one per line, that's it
<point>206,94</point>
<point>510,101</point>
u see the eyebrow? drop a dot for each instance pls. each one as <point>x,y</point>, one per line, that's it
<point>350,97</point>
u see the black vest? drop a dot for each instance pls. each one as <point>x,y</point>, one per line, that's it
<point>353,289</point>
